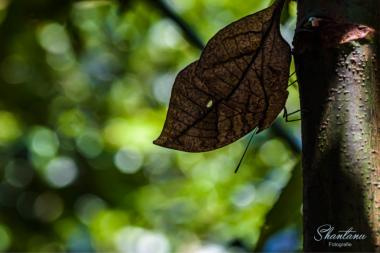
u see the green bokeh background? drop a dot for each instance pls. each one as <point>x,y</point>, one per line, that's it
<point>84,90</point>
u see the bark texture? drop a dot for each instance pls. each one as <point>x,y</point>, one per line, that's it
<point>339,88</point>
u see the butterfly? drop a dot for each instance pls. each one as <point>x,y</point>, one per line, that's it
<point>238,85</point>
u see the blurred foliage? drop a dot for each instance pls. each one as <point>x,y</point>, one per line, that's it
<point>84,91</point>
<point>285,212</point>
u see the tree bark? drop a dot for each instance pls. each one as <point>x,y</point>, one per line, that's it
<point>340,100</point>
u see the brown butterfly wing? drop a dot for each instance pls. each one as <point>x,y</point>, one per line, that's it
<point>238,84</point>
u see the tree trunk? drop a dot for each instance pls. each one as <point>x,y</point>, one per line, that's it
<point>340,99</point>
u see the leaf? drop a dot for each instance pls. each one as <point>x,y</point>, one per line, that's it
<point>239,83</point>
<point>278,217</point>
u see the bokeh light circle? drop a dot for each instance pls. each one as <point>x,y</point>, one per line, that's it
<point>19,173</point>
<point>87,207</point>
<point>128,160</point>
<point>61,172</point>
<point>5,238</point>
<point>48,206</point>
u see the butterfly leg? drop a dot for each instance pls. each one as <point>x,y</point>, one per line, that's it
<point>292,83</point>
<point>286,114</point>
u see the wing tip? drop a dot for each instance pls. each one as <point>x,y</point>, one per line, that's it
<point>161,143</point>
<point>166,144</point>
<point>158,142</point>
<point>175,146</point>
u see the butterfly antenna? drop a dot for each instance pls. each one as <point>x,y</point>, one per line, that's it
<point>253,134</point>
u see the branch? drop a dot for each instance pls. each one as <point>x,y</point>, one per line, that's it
<point>190,34</point>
